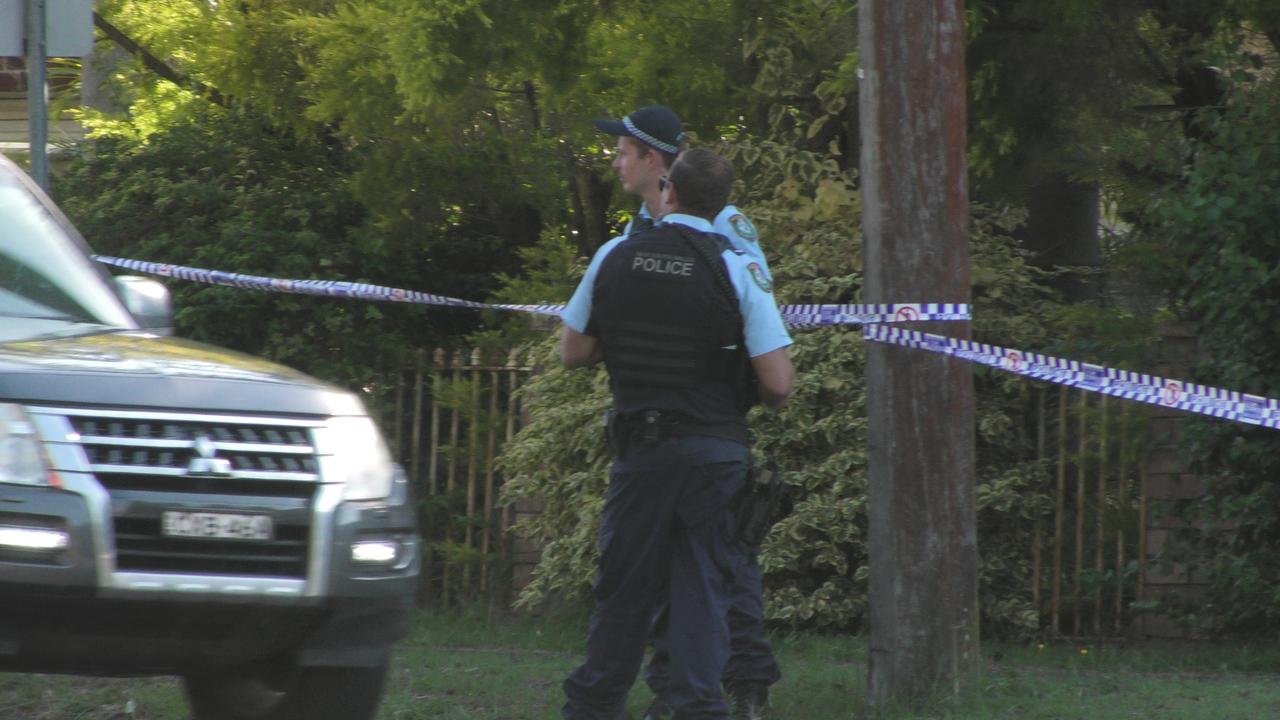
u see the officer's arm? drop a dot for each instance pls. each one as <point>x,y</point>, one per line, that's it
<point>578,350</point>
<point>776,376</point>
<point>764,332</point>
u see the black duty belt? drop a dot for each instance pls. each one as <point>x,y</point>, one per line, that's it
<point>646,427</point>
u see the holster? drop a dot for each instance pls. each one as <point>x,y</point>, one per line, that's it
<point>616,437</point>
<point>758,506</point>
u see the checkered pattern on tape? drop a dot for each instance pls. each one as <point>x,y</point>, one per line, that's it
<point>1139,387</point>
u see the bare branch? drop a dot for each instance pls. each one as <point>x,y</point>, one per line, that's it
<point>155,64</point>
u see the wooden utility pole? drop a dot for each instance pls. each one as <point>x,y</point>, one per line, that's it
<point>923,535</point>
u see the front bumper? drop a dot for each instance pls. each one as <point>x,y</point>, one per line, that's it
<point>71,610</point>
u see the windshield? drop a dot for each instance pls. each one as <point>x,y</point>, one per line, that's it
<point>48,285</point>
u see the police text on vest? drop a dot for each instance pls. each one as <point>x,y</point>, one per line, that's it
<point>663,264</point>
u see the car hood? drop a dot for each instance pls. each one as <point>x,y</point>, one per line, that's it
<point>136,369</point>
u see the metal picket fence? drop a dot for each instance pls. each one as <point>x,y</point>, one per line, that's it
<point>447,420</point>
<point>449,416</point>
<point>1088,554</point>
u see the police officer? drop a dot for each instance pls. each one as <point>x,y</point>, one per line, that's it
<point>649,140</point>
<point>682,325</point>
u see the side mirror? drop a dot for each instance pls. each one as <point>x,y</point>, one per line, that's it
<point>148,300</point>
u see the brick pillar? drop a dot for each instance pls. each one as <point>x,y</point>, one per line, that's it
<point>524,552</point>
<point>1167,479</point>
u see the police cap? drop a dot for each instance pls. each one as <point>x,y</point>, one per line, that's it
<point>656,126</point>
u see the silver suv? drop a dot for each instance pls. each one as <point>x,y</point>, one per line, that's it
<point>167,507</point>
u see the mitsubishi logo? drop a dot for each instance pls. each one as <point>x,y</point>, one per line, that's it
<point>206,461</point>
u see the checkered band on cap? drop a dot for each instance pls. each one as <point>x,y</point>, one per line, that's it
<point>649,139</point>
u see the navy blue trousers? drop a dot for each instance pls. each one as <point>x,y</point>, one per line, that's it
<point>666,537</point>
<point>751,660</point>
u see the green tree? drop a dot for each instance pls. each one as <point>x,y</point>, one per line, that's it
<point>229,192</point>
<point>1219,222</point>
<point>1083,103</point>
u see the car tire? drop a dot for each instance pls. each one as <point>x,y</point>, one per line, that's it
<point>286,692</point>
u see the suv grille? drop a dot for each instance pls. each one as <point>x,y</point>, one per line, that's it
<point>153,463</point>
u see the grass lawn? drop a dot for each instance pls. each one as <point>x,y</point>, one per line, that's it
<point>461,665</point>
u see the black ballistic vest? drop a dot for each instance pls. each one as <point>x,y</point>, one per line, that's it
<point>672,339</point>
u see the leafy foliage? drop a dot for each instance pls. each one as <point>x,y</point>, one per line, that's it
<point>1219,221</point>
<point>227,192</point>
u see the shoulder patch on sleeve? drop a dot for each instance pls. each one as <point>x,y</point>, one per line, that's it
<point>743,227</point>
<point>762,280</point>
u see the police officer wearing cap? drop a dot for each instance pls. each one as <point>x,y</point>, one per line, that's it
<point>683,328</point>
<point>658,128</point>
<point>649,140</point>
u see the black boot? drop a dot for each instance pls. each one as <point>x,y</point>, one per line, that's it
<point>659,709</point>
<point>748,702</point>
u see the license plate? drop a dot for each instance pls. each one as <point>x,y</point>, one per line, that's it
<point>221,526</point>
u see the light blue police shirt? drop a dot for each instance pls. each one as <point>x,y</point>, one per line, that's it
<point>733,224</point>
<point>763,329</point>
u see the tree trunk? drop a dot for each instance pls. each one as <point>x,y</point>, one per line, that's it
<point>591,196</point>
<point>1062,231</point>
<point>922,521</point>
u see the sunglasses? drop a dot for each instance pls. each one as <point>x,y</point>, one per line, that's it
<point>663,182</point>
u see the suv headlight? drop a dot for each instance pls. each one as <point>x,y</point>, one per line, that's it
<point>21,454</point>
<point>22,458</point>
<point>361,455</point>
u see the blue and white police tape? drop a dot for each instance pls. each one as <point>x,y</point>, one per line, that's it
<point>1166,392</point>
<point>328,288</point>
<point>804,316</point>
<point>797,316</point>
